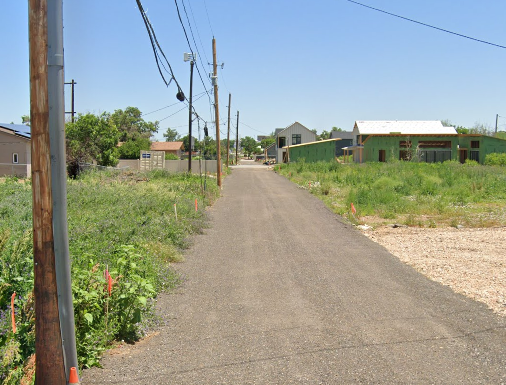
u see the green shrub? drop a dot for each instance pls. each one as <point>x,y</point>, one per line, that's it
<point>495,159</point>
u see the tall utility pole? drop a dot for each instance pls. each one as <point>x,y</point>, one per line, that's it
<point>237,137</point>
<point>496,122</point>
<point>228,132</point>
<point>191,57</point>
<point>216,114</point>
<point>59,179</point>
<point>49,363</point>
<point>72,110</point>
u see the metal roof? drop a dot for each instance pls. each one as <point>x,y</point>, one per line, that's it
<point>19,129</point>
<point>405,127</point>
<point>318,141</point>
<point>341,134</point>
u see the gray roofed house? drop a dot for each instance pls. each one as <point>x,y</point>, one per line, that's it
<point>346,140</point>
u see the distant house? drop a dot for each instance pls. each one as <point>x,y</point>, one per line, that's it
<point>15,150</point>
<point>175,148</point>
<point>346,140</point>
<point>294,134</point>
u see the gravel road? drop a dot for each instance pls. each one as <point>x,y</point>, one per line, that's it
<point>280,291</point>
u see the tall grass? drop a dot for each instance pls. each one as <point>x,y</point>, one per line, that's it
<point>447,193</point>
<point>121,222</point>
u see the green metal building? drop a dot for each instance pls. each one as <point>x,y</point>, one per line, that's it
<point>323,150</point>
<point>428,148</point>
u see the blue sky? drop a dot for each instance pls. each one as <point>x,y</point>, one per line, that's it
<point>322,63</point>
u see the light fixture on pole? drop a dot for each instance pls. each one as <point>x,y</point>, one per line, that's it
<point>191,57</point>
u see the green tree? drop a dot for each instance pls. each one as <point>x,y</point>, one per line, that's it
<point>25,119</point>
<point>264,143</point>
<point>91,138</point>
<point>208,147</point>
<point>249,145</point>
<point>131,125</point>
<point>171,135</point>
<point>186,143</point>
<point>324,135</point>
<point>131,149</point>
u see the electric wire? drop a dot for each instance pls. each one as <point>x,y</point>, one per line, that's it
<point>189,45</point>
<point>154,45</point>
<point>428,25</point>
<point>198,34</point>
<point>171,105</point>
<point>208,19</point>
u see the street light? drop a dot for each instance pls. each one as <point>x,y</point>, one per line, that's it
<point>191,57</point>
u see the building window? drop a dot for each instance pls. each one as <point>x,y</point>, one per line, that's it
<point>474,155</point>
<point>281,142</point>
<point>382,156</point>
<point>15,158</point>
<point>475,144</point>
<point>296,139</point>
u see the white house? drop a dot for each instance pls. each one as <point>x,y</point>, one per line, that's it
<point>294,134</point>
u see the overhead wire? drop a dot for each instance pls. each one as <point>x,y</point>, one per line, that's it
<point>208,19</point>
<point>427,25</point>
<point>154,45</point>
<point>159,62</point>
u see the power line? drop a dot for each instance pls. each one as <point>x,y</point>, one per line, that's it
<point>428,25</point>
<point>188,41</point>
<point>244,124</point>
<point>208,19</point>
<point>154,45</point>
<point>171,105</point>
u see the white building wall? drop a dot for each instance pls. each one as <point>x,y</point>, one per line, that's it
<point>307,136</point>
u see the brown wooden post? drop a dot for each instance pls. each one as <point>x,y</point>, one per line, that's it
<point>228,131</point>
<point>217,115</point>
<point>50,367</point>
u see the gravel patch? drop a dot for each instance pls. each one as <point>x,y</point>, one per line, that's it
<point>472,261</point>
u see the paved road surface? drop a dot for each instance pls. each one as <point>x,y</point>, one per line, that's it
<point>280,291</point>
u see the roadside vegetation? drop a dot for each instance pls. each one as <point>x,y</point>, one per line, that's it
<point>408,193</point>
<point>123,234</point>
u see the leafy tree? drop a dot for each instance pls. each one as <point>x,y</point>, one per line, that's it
<point>131,125</point>
<point>131,149</point>
<point>171,135</point>
<point>91,138</point>
<point>249,145</point>
<point>324,135</point>
<point>208,146</point>
<point>25,119</point>
<point>264,143</point>
<point>338,129</point>
<point>186,143</point>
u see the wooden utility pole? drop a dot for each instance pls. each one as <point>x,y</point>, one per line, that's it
<point>190,120</point>
<point>496,122</point>
<point>228,132</point>
<point>217,114</point>
<point>237,138</point>
<point>49,363</point>
<point>72,110</point>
